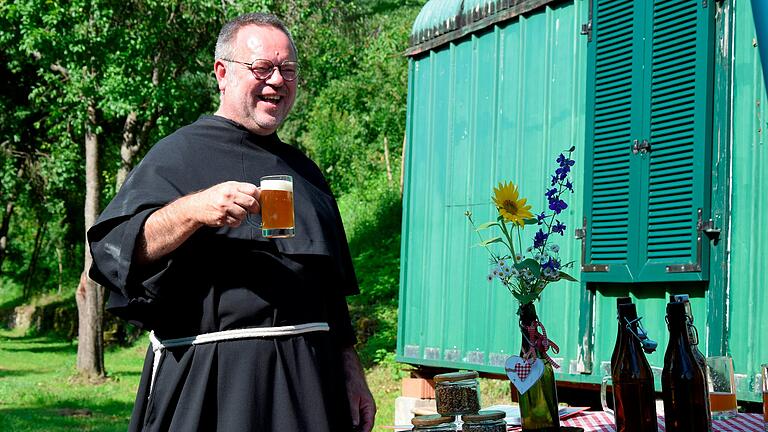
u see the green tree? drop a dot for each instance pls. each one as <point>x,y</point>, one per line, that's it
<point>109,75</point>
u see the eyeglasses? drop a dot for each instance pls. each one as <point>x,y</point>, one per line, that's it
<point>263,69</point>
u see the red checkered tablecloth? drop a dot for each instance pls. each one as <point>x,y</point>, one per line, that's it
<point>599,421</point>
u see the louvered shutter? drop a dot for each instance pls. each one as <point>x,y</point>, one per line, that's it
<point>612,121</point>
<point>649,111</point>
<point>676,194</point>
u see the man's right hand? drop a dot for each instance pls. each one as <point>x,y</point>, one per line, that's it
<point>224,204</point>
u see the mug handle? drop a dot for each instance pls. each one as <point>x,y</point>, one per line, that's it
<point>604,395</point>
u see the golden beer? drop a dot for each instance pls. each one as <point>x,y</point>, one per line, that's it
<point>276,202</point>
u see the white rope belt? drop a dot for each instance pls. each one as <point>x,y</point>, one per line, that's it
<point>159,346</point>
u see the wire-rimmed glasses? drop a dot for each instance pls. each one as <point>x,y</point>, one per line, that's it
<point>263,69</point>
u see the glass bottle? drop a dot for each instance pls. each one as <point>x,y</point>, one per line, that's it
<point>633,390</point>
<point>617,345</point>
<point>538,405</point>
<point>693,334</point>
<point>693,338</point>
<point>683,384</point>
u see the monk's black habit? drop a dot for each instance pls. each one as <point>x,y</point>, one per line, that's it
<point>231,278</point>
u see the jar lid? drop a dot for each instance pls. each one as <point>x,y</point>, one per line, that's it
<point>483,416</point>
<point>431,420</point>
<point>456,376</point>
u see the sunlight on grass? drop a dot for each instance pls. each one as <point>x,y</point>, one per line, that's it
<point>37,391</point>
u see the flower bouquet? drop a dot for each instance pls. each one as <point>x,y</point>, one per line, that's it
<point>525,273</point>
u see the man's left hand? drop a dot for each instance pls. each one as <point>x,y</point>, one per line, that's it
<point>361,403</point>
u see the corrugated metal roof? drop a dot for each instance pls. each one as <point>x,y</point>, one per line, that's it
<point>441,21</point>
<point>436,17</point>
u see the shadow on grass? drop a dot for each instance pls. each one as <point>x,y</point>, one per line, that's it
<point>67,415</point>
<point>37,344</point>
<point>48,348</point>
<point>6,373</point>
<point>122,373</point>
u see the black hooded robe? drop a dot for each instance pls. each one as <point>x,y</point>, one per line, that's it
<point>231,278</point>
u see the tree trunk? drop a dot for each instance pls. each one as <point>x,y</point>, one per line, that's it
<point>39,235</point>
<point>4,232</point>
<point>90,295</point>
<point>133,141</point>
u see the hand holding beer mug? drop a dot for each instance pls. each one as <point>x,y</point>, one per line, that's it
<point>277,206</point>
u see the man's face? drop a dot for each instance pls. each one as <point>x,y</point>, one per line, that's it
<point>261,105</point>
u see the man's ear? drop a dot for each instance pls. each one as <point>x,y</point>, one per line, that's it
<point>220,70</point>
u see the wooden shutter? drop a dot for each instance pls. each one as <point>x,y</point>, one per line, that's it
<point>612,88</point>
<point>679,95</point>
<point>649,110</point>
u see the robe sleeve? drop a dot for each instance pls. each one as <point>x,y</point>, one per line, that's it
<point>114,237</point>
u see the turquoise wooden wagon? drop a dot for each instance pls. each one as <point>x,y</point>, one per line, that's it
<point>665,103</point>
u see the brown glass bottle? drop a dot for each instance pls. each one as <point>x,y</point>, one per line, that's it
<point>693,338</point>
<point>617,345</point>
<point>538,405</point>
<point>633,391</point>
<point>683,384</point>
<point>692,333</point>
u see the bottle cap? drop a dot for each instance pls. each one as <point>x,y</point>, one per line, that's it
<point>456,376</point>
<point>431,420</point>
<point>484,415</point>
<point>623,300</point>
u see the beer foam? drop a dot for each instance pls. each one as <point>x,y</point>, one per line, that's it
<point>281,185</point>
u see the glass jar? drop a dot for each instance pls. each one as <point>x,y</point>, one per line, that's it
<point>433,423</point>
<point>484,421</point>
<point>456,393</point>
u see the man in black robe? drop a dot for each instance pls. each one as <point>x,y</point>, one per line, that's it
<point>178,260</point>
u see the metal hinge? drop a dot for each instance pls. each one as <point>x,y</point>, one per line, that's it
<point>692,267</point>
<point>586,29</point>
<point>581,233</point>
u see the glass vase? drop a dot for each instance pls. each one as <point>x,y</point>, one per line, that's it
<point>538,406</point>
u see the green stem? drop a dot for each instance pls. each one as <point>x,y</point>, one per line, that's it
<point>509,243</point>
<point>472,222</point>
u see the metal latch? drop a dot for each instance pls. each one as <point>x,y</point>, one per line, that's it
<point>641,147</point>
<point>711,231</point>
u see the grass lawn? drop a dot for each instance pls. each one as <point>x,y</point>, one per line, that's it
<point>37,392</point>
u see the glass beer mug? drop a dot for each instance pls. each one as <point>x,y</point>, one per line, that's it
<point>276,201</point>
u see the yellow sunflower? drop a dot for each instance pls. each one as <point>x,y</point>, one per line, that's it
<point>511,206</point>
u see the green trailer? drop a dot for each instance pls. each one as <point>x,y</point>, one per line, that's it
<point>665,103</point>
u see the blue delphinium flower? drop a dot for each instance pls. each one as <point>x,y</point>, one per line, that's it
<point>540,218</point>
<point>540,238</point>
<point>559,228</point>
<point>557,205</point>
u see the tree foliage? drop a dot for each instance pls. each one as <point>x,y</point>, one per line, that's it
<point>144,68</point>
